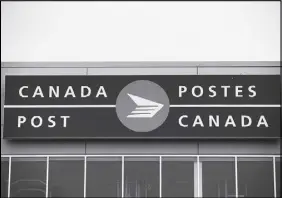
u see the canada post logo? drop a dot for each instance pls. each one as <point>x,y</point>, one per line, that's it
<point>142,106</point>
<point>145,108</point>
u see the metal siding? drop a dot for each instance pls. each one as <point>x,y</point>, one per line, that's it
<point>142,71</point>
<point>239,70</point>
<point>142,147</point>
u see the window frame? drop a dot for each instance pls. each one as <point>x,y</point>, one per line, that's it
<point>197,173</point>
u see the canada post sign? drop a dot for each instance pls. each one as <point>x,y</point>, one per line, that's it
<point>142,107</point>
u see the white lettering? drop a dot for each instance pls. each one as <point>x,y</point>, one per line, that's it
<point>101,91</point>
<point>252,91</point>
<point>21,91</point>
<point>262,121</point>
<point>182,89</point>
<point>238,89</point>
<point>229,121</point>
<point>225,87</point>
<point>201,91</point>
<point>65,120</point>
<point>199,121</point>
<point>33,121</point>
<point>52,122</point>
<point>243,119</point>
<point>21,120</point>
<point>38,91</point>
<point>180,121</point>
<point>211,90</point>
<point>83,95</point>
<point>69,92</point>
<point>54,92</point>
<point>213,121</point>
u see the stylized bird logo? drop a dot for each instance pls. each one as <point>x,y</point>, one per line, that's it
<point>145,108</point>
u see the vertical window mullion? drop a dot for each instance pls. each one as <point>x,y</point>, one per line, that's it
<point>122,176</point>
<point>236,176</point>
<point>9,177</point>
<point>85,175</point>
<point>195,179</point>
<point>198,176</point>
<point>47,177</point>
<point>201,178</point>
<point>274,176</point>
<point>160,176</point>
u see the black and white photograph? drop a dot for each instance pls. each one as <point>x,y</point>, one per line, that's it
<point>141,99</point>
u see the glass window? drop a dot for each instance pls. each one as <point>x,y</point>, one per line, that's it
<point>278,176</point>
<point>66,177</point>
<point>28,177</point>
<point>178,176</point>
<point>141,177</point>
<point>4,176</point>
<point>104,177</point>
<point>255,177</point>
<point>218,177</point>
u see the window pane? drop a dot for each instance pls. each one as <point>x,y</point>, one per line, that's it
<point>28,177</point>
<point>218,177</point>
<point>66,177</point>
<point>141,177</point>
<point>178,177</point>
<point>4,176</point>
<point>278,176</point>
<point>104,177</point>
<point>255,177</point>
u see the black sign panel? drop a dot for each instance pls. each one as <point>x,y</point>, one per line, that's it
<point>147,107</point>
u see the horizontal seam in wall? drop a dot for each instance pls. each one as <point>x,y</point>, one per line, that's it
<point>161,67</point>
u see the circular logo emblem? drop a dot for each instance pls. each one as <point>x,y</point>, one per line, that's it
<point>142,106</point>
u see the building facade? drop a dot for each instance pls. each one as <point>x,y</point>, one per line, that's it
<point>139,168</point>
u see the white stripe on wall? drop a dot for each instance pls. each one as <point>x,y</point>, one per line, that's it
<point>113,106</point>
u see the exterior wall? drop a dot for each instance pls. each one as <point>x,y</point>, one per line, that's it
<point>203,147</point>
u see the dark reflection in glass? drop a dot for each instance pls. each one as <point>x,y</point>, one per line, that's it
<point>141,177</point>
<point>4,176</point>
<point>178,177</point>
<point>66,177</point>
<point>104,177</point>
<point>278,177</point>
<point>28,177</point>
<point>218,177</point>
<point>255,177</point>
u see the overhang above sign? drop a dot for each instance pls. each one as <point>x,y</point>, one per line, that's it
<point>146,107</point>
